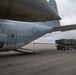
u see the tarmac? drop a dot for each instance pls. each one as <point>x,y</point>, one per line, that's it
<point>47,61</point>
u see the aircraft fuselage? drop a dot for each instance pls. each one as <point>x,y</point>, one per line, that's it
<point>14,35</point>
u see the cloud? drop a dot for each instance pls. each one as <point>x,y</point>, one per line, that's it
<point>67,11</point>
<point>50,38</point>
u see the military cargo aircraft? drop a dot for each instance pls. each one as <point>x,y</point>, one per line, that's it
<point>22,21</point>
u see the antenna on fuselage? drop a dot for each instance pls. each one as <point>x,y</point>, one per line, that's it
<point>34,47</point>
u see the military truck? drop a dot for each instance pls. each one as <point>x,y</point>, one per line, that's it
<point>65,44</point>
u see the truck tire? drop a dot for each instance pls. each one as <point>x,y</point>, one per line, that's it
<point>68,47</point>
<point>65,47</point>
<point>61,48</point>
<point>73,47</point>
<point>58,48</point>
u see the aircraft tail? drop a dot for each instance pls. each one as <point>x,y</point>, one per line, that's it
<point>55,23</point>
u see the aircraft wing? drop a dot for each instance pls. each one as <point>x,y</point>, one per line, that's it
<point>27,10</point>
<point>64,28</point>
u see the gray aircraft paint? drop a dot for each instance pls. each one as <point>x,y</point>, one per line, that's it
<point>54,23</point>
<point>23,33</point>
<point>17,34</point>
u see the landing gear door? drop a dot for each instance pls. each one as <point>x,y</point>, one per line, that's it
<point>11,40</point>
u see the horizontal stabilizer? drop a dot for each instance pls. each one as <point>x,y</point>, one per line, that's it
<point>65,28</point>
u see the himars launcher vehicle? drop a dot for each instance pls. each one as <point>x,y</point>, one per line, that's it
<point>65,44</point>
<point>41,17</point>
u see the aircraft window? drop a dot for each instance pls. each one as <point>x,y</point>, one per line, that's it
<point>51,4</point>
<point>12,35</point>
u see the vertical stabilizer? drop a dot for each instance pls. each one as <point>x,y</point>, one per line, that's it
<point>53,4</point>
<point>54,23</point>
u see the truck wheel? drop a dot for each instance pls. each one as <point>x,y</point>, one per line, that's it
<point>65,48</point>
<point>58,48</point>
<point>73,47</point>
<point>61,48</point>
<point>68,48</point>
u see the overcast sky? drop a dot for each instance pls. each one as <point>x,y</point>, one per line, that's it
<point>67,11</point>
